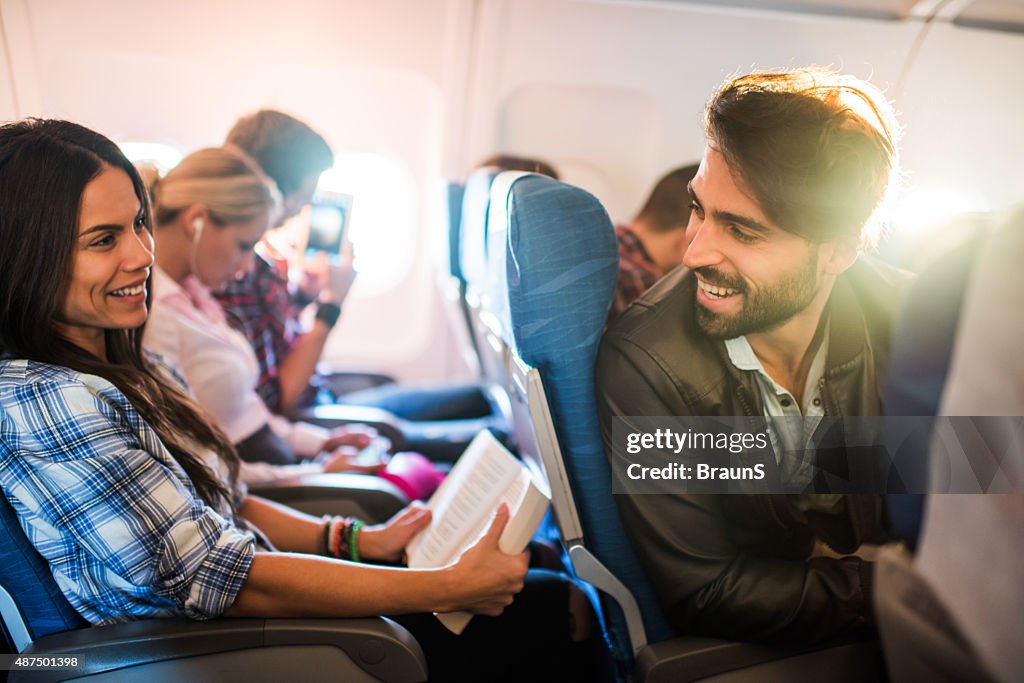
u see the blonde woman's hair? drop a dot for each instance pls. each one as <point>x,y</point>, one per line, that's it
<point>223,179</point>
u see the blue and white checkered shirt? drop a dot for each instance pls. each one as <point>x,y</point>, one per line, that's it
<point>100,497</point>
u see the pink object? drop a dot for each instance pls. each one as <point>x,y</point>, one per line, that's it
<point>413,474</point>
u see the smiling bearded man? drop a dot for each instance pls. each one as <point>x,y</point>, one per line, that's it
<point>775,314</point>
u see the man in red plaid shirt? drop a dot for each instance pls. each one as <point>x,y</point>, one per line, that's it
<point>654,242</point>
<point>264,305</point>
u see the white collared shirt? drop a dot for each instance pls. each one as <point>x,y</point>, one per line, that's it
<point>187,329</point>
<point>791,439</point>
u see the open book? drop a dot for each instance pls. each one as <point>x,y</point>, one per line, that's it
<point>485,476</point>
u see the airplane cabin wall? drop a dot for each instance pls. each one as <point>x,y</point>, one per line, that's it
<point>610,91</point>
<point>8,104</point>
<point>961,108</point>
<point>372,77</point>
<point>613,92</point>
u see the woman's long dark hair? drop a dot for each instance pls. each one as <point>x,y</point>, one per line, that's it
<point>45,166</point>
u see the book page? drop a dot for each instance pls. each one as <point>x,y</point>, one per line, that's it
<point>462,508</point>
<point>512,496</point>
<point>527,503</point>
<point>465,502</point>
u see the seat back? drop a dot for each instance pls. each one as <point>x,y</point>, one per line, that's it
<point>472,247</point>
<point>451,284</point>
<point>453,194</point>
<point>923,340</point>
<point>444,235</point>
<point>562,264</point>
<point>495,293</point>
<point>31,604</point>
<point>473,260</point>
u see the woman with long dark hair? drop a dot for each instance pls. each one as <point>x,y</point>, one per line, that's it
<point>133,498</point>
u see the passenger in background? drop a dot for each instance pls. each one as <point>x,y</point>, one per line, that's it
<point>653,244</point>
<point>209,213</point>
<point>264,305</point>
<point>265,308</point>
<point>511,162</point>
<point>774,315</point>
<point>132,496</point>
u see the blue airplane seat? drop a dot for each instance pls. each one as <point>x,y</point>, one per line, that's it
<point>924,336</point>
<point>495,286</point>
<point>475,268</point>
<point>473,254</point>
<point>454,193</point>
<point>29,585</point>
<point>472,245</point>
<point>562,265</point>
<point>450,279</point>
<point>40,622</point>
<point>444,239</point>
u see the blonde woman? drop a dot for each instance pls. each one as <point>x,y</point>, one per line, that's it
<point>209,212</point>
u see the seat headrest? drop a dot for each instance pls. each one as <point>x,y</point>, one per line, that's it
<point>495,292</point>
<point>561,270</point>
<point>473,235</point>
<point>453,205</point>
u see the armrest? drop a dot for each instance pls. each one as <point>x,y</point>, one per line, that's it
<point>445,440</point>
<point>851,658</point>
<point>377,647</point>
<point>356,495</point>
<point>338,414</point>
<point>341,381</point>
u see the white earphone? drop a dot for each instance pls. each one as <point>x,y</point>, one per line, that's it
<point>197,227</point>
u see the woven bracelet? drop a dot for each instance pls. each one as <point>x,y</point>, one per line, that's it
<point>353,548</point>
<point>341,538</point>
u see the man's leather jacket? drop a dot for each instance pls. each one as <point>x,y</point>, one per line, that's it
<point>736,566</point>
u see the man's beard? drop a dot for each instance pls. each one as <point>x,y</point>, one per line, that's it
<point>763,309</point>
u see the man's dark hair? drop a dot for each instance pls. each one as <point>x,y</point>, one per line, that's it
<point>509,162</point>
<point>286,149</point>
<point>817,149</point>
<point>668,206</point>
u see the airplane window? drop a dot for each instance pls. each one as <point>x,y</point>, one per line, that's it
<point>164,157</point>
<point>926,221</point>
<point>383,223</point>
<point>922,209</point>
